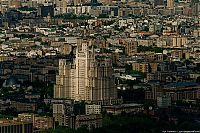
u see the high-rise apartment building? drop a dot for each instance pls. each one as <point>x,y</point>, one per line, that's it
<point>60,6</point>
<point>4,4</point>
<point>170,4</point>
<point>63,112</point>
<point>195,8</point>
<point>87,77</point>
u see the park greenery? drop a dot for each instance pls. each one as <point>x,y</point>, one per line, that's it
<point>128,70</point>
<point>198,79</point>
<point>22,36</point>
<point>197,68</point>
<point>25,8</point>
<point>103,16</point>
<point>133,123</point>
<point>141,48</point>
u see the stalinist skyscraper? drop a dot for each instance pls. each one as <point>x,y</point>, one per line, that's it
<point>87,77</point>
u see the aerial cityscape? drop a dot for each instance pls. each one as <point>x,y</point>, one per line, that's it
<point>99,66</point>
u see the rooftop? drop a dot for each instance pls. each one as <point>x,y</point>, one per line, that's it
<point>124,105</point>
<point>6,122</point>
<point>182,85</point>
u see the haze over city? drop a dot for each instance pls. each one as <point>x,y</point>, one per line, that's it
<point>99,66</point>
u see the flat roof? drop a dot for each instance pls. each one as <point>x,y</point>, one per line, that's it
<point>182,85</point>
<point>123,105</point>
<point>6,122</point>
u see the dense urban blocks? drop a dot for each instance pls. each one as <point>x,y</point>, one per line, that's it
<point>99,66</point>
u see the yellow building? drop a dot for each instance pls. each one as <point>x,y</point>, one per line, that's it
<point>170,4</point>
<point>153,67</point>
<point>39,122</point>
<point>13,126</point>
<point>44,122</point>
<point>23,107</point>
<point>5,58</point>
<point>131,47</point>
<point>143,67</point>
<point>179,41</point>
<point>61,6</point>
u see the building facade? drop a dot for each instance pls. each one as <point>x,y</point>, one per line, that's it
<point>87,77</point>
<point>92,109</point>
<point>12,126</point>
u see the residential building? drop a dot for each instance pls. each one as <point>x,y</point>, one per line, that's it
<point>24,106</point>
<point>92,109</point>
<point>128,108</point>
<point>164,101</point>
<point>170,4</point>
<point>179,41</point>
<point>12,126</point>
<point>44,122</point>
<point>91,121</point>
<point>158,2</point>
<point>39,122</point>
<point>142,67</point>
<point>63,112</point>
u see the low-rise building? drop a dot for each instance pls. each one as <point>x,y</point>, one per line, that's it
<point>128,108</point>
<point>177,91</point>
<point>13,126</point>
<point>44,122</point>
<point>143,67</point>
<point>39,122</point>
<point>92,109</point>
<point>91,121</point>
<point>24,107</point>
<point>164,101</point>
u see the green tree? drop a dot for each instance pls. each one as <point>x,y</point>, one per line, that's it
<point>141,48</point>
<point>198,79</point>
<point>82,129</point>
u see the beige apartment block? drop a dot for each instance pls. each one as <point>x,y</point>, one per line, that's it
<point>170,4</point>
<point>179,41</point>
<point>143,67</point>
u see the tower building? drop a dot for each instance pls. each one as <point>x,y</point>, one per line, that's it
<point>170,4</point>
<point>87,77</point>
